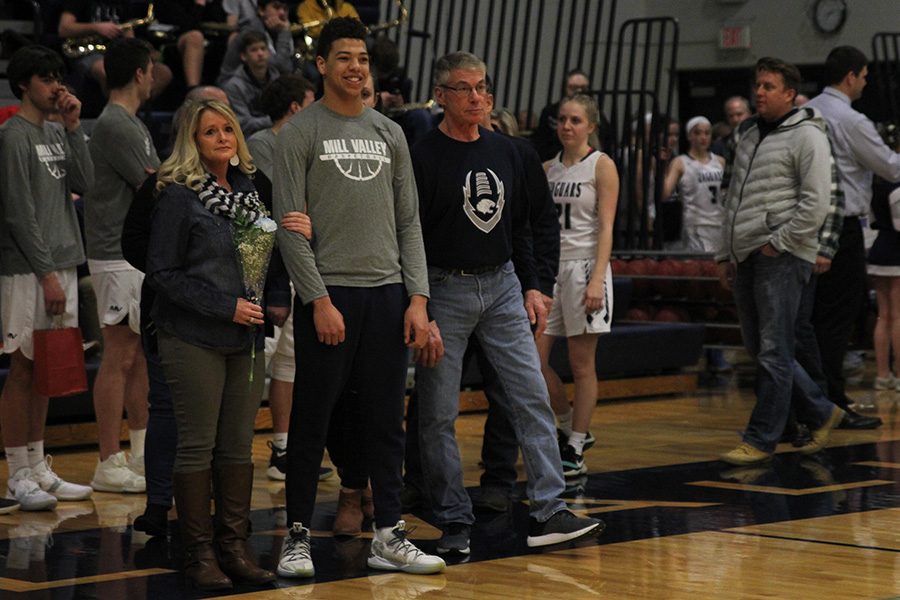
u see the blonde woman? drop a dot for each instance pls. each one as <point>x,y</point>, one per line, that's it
<point>210,338</point>
<point>585,187</point>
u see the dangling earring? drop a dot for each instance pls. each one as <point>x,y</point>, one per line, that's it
<point>234,161</point>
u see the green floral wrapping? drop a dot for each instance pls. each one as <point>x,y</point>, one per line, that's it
<point>254,245</point>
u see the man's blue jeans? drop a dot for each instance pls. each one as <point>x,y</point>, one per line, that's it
<point>768,292</point>
<point>490,306</point>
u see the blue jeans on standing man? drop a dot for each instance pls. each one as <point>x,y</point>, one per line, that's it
<point>490,306</point>
<point>768,292</point>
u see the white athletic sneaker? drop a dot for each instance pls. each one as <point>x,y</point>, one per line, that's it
<point>296,560</point>
<point>53,484</point>
<point>399,554</point>
<point>136,464</point>
<point>21,488</point>
<point>113,475</point>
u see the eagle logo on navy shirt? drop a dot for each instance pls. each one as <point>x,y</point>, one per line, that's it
<point>485,207</point>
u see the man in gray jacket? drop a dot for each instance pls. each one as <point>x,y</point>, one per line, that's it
<point>776,204</point>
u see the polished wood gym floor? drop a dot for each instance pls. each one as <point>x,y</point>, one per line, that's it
<point>680,524</point>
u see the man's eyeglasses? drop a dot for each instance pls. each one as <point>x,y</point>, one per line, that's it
<point>466,90</point>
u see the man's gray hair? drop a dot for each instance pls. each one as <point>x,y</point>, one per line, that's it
<point>456,60</point>
<point>740,99</point>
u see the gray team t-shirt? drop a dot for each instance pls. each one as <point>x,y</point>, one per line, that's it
<point>39,166</point>
<point>122,151</point>
<point>354,178</point>
<point>262,148</point>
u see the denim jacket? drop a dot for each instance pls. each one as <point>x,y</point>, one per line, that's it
<point>194,268</point>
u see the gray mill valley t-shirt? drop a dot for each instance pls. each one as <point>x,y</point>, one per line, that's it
<point>122,151</point>
<point>39,167</point>
<point>354,178</point>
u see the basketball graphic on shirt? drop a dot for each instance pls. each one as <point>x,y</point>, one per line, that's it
<point>356,159</point>
<point>52,156</point>
<point>483,199</point>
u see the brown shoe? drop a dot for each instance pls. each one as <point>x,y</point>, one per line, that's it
<point>192,496</point>
<point>349,518</point>
<point>745,454</point>
<point>233,486</point>
<point>820,436</point>
<point>367,504</point>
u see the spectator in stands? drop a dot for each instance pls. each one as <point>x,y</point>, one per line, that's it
<point>544,137</point>
<point>245,87</point>
<point>502,120</point>
<point>269,18</point>
<point>859,152</point>
<point>356,324</point>
<point>737,110</point>
<point>187,16</point>
<point>280,100</point>
<point>103,18</point>
<point>474,217</point>
<point>395,89</point>
<point>123,155</point>
<point>40,163</point>
<point>369,97</point>
<point>210,338</point>
<point>782,177</point>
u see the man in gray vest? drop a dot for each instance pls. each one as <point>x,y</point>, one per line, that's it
<point>777,202</point>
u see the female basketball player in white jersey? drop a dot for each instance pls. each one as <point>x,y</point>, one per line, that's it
<point>585,187</point>
<point>698,177</point>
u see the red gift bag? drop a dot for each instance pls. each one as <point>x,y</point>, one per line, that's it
<point>59,362</point>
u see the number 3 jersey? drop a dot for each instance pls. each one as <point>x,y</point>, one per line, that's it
<point>574,191</point>
<point>699,191</point>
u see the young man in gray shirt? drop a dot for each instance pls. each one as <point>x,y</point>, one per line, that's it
<point>362,286</point>
<point>40,246</point>
<point>123,154</point>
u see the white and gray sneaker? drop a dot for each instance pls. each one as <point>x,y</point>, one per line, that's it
<point>43,475</point>
<point>399,554</point>
<point>295,558</point>
<point>24,490</point>
<point>136,464</point>
<point>113,475</point>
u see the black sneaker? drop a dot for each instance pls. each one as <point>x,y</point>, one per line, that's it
<point>572,462</point>
<point>155,520</point>
<point>278,465</point>
<point>277,462</point>
<point>8,506</point>
<point>562,527</point>
<point>563,440</point>
<point>455,539</point>
<point>492,498</point>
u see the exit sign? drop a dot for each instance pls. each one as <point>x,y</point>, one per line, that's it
<point>734,37</point>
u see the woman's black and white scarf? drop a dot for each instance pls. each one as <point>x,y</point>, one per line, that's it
<point>243,207</point>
